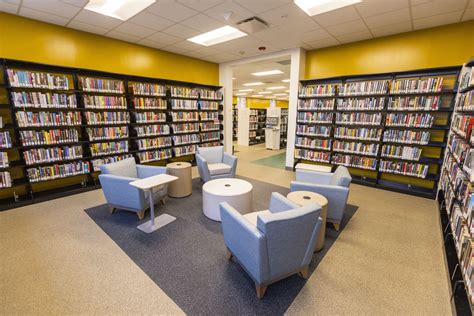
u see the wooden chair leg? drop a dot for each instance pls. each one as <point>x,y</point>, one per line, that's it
<point>229,254</point>
<point>141,215</point>
<point>260,290</point>
<point>337,226</point>
<point>112,210</point>
<point>304,272</point>
<point>163,201</point>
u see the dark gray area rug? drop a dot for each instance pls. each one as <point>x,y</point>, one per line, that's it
<point>187,258</point>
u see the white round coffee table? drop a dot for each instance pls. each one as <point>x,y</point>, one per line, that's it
<point>236,192</point>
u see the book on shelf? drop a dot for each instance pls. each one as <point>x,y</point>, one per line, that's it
<point>208,105</point>
<point>185,128</point>
<point>153,143</point>
<point>409,120</point>
<point>57,171</point>
<point>462,125</point>
<point>107,148</point>
<point>466,79</point>
<point>367,134</point>
<point>150,117</point>
<point>104,102</point>
<point>178,104</point>
<point>186,139</point>
<point>48,137</point>
<point>465,101</point>
<point>312,155</point>
<point>43,100</point>
<point>152,130</point>
<point>38,119</point>
<point>4,163</point>
<point>209,126</point>
<point>105,133</point>
<point>209,116</point>
<point>360,104</point>
<point>423,85</point>
<point>359,118</point>
<point>96,163</point>
<point>406,137</point>
<point>360,162</point>
<point>184,92</point>
<point>209,94</point>
<point>150,89</point>
<point>35,79</point>
<point>5,140</point>
<point>185,150</point>
<point>51,155</point>
<point>308,130</point>
<point>5,179</point>
<point>401,152</point>
<point>150,104</point>
<point>101,85</point>
<point>404,168</point>
<point>355,148</point>
<point>154,155</point>
<point>414,103</point>
<point>104,118</point>
<point>458,147</point>
<point>210,144</point>
<point>314,117</point>
<point>185,116</point>
<point>210,136</point>
<point>323,90</point>
<point>364,87</point>
<point>316,104</point>
<point>313,143</point>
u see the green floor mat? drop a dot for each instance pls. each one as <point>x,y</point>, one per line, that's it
<point>276,161</point>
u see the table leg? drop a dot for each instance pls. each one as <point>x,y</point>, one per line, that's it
<point>162,220</point>
<point>152,208</point>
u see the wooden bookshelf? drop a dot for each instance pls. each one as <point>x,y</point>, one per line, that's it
<point>106,119</point>
<point>360,122</point>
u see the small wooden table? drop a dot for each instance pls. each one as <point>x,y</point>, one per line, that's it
<point>184,185</point>
<point>148,184</point>
<point>306,197</point>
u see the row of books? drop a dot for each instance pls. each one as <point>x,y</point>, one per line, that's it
<point>103,133</point>
<point>151,89</point>
<point>43,100</point>
<point>179,104</point>
<point>458,148</point>
<point>209,116</point>
<point>401,152</point>
<point>406,137</point>
<point>465,101</point>
<point>253,126</point>
<point>356,148</point>
<point>466,79</point>
<point>364,87</point>
<point>153,143</point>
<point>184,150</point>
<point>312,130</point>
<point>320,90</point>
<point>316,104</point>
<point>33,79</point>
<point>424,85</point>
<point>101,85</point>
<point>96,163</point>
<point>4,163</point>
<point>186,139</point>
<point>313,143</point>
<point>104,102</point>
<point>314,117</point>
<point>210,94</point>
<point>350,104</point>
<point>101,118</point>
<point>418,103</point>
<point>154,155</point>
<point>107,148</point>
<point>371,134</point>
<point>5,179</point>
<point>150,104</point>
<point>150,117</point>
<point>409,120</point>
<point>57,171</point>
<point>318,156</point>
<point>404,168</point>
<point>184,92</point>
<point>152,130</point>
<point>26,119</point>
<point>359,118</point>
<point>462,124</point>
<point>185,116</point>
<point>48,137</point>
<point>54,154</point>
<point>5,139</point>
<point>360,162</point>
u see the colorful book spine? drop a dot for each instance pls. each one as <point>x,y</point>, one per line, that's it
<point>316,104</point>
<point>106,133</point>
<point>411,103</point>
<point>358,118</point>
<point>178,104</point>
<point>209,116</point>
<point>185,116</point>
<point>401,152</point>
<point>318,90</point>
<point>364,87</point>
<point>208,105</point>
<point>465,101</point>
<point>404,168</point>
<point>210,136</point>
<point>318,156</point>
<point>37,119</point>
<point>318,118</point>
<point>184,150</point>
<point>108,148</point>
<point>40,100</point>
<point>5,140</point>
<point>209,126</point>
<point>50,155</point>
<point>368,134</point>
<point>355,148</point>
<point>150,117</point>
<point>357,104</point>
<point>152,130</point>
<point>150,89</point>
<point>104,102</point>
<point>186,139</point>
<point>104,118</point>
<point>4,163</point>
<point>31,79</point>
<point>406,137</point>
<point>155,155</point>
<point>313,143</point>
<point>307,130</point>
<point>210,94</point>
<point>409,120</point>
<point>48,137</point>
<point>183,92</point>
<point>150,104</point>
<point>5,179</point>
<point>58,171</point>
<point>154,143</point>
<point>359,162</point>
<point>101,85</point>
<point>96,163</point>
<point>424,85</point>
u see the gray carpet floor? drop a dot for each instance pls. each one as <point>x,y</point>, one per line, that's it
<point>187,258</point>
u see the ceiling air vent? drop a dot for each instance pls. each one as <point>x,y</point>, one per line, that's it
<point>252,25</point>
<point>284,62</point>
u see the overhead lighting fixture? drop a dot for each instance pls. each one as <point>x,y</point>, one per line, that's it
<point>266,92</point>
<point>315,7</point>
<point>220,35</point>
<point>245,90</point>
<point>250,84</point>
<point>233,78</point>
<point>282,99</point>
<point>239,94</point>
<point>119,9</point>
<point>257,95</point>
<point>267,73</point>
<point>285,80</point>
<point>278,94</point>
<point>276,88</point>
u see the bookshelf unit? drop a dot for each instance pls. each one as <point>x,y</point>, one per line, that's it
<point>257,119</point>
<point>389,129</point>
<point>60,124</point>
<point>456,195</point>
<point>283,127</point>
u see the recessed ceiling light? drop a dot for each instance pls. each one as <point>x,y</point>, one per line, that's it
<point>267,73</point>
<point>315,7</point>
<point>233,78</point>
<point>119,9</point>
<point>266,92</point>
<point>276,88</point>
<point>239,94</point>
<point>285,80</point>
<point>245,90</point>
<point>280,94</point>
<point>249,84</point>
<point>220,35</point>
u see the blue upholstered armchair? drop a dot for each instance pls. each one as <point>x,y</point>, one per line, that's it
<point>334,186</point>
<point>272,244</point>
<point>214,163</point>
<point>115,179</point>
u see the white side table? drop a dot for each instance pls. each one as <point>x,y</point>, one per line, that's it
<point>148,184</point>
<point>236,192</point>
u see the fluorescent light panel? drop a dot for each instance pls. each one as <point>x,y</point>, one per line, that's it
<point>250,84</point>
<point>315,7</point>
<point>245,90</point>
<point>257,95</point>
<point>266,92</point>
<point>285,80</point>
<point>239,94</point>
<point>220,35</point>
<point>276,88</point>
<point>278,94</point>
<point>119,9</point>
<point>267,73</point>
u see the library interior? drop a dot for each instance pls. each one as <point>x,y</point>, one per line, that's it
<point>244,157</point>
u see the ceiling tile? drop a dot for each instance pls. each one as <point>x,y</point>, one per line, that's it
<point>285,15</point>
<point>150,43</point>
<point>43,16</point>
<point>180,31</point>
<point>468,14</point>
<point>354,37</point>
<point>368,8</point>
<point>244,46</point>
<point>206,51</point>
<point>134,30</point>
<point>392,17</point>
<point>201,5</point>
<point>338,16</point>
<point>163,38</point>
<point>55,7</point>
<point>97,19</point>
<point>261,5</point>
<point>325,42</point>
<point>87,27</point>
<point>77,3</point>
<point>315,35</point>
<point>174,49</point>
<point>122,36</point>
<point>392,29</point>
<point>237,12</point>
<point>437,20</point>
<point>222,57</point>
<point>188,45</point>
<point>347,28</point>
<point>202,23</point>
<point>171,10</point>
<point>151,21</point>
<point>9,7</point>
<point>435,7</point>
<point>194,54</point>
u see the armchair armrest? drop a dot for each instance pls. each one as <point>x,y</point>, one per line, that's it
<point>120,193</point>
<point>246,243</point>
<point>230,160</point>
<point>279,203</point>
<point>149,171</point>
<point>203,168</point>
<point>313,177</point>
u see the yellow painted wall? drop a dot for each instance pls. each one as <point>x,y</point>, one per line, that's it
<point>30,40</point>
<point>258,103</point>
<point>448,45</point>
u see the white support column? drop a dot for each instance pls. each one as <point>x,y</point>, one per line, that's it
<point>225,80</point>
<point>273,103</point>
<point>296,74</point>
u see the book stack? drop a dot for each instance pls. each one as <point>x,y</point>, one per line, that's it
<point>5,140</point>
<point>318,90</point>
<point>409,120</point>
<point>58,171</point>
<point>153,143</point>
<point>4,160</point>
<point>149,89</point>
<point>50,155</point>
<point>101,85</point>
<point>185,116</point>
<point>150,117</point>
<point>5,179</point>
<point>31,79</point>
<point>150,104</point>
<point>49,137</point>
<point>424,85</point>
<point>367,134</point>
<point>316,104</point>
<point>104,102</point>
<point>152,130</point>
<point>96,163</point>
<point>184,92</point>
<point>155,155</point>
<point>42,100</point>
<point>401,152</point>
<point>107,133</point>
<point>39,119</point>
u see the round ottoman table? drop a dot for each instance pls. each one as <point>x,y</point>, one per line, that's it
<point>306,197</point>
<point>183,186</point>
<point>236,192</point>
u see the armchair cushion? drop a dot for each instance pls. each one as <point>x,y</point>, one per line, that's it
<point>218,168</point>
<point>124,168</point>
<point>252,217</point>
<point>144,171</point>
<point>313,176</point>
<point>211,154</point>
<point>341,177</point>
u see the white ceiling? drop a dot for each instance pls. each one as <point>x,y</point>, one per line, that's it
<point>168,23</point>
